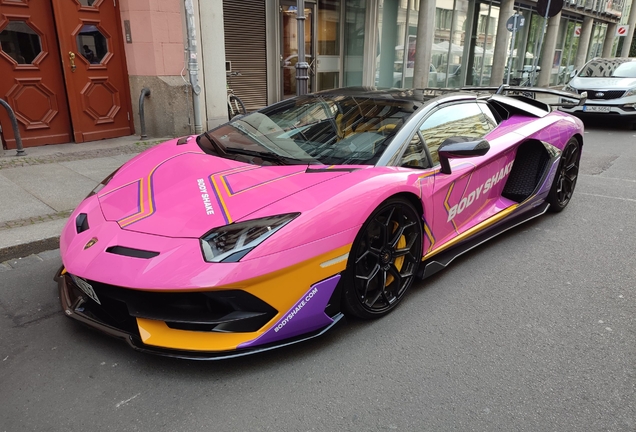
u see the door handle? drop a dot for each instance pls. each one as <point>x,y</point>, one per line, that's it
<point>71,57</point>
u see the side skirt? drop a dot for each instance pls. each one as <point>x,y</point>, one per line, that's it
<point>443,259</point>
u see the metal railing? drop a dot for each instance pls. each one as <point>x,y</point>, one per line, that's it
<point>14,125</point>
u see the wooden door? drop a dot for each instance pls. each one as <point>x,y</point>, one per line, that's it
<point>30,78</point>
<point>94,68</point>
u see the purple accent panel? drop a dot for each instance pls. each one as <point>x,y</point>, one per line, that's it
<point>550,178</point>
<point>307,315</point>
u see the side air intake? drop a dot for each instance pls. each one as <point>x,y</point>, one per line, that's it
<point>530,165</point>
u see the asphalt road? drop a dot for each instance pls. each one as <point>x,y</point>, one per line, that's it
<point>534,331</point>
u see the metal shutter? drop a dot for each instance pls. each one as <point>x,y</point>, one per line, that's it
<point>245,47</point>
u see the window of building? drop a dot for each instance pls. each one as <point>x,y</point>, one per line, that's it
<point>443,19</point>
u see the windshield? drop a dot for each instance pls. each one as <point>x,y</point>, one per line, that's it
<point>609,69</point>
<point>313,129</point>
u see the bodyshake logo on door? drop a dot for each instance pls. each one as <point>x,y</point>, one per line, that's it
<point>481,189</point>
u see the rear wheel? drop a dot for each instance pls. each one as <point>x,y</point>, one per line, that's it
<point>383,261</point>
<point>566,176</point>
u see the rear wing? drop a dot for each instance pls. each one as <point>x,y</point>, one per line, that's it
<point>575,99</point>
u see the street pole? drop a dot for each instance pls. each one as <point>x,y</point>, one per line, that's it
<point>193,66</point>
<point>538,53</point>
<point>512,46</point>
<point>302,66</point>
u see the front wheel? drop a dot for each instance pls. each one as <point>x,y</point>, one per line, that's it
<point>566,176</point>
<point>383,261</point>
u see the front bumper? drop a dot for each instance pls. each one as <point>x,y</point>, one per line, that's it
<point>612,107</point>
<point>302,322</point>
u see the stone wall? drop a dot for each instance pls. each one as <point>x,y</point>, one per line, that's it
<point>168,109</point>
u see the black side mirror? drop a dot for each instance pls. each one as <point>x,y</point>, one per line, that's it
<point>460,147</point>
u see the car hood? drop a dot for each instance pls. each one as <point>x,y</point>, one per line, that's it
<point>187,193</point>
<point>602,83</point>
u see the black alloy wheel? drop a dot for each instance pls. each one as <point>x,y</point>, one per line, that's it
<point>566,176</point>
<point>384,259</point>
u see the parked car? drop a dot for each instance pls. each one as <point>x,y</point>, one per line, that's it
<point>454,75</point>
<point>266,230</point>
<point>611,89</point>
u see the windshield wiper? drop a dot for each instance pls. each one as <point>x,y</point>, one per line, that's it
<point>270,156</point>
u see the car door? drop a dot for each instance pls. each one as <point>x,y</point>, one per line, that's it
<point>461,198</point>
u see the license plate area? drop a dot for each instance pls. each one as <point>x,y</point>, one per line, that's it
<point>86,288</point>
<point>592,108</point>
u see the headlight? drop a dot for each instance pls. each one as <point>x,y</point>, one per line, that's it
<point>232,242</point>
<point>570,89</point>
<point>630,92</point>
<point>103,183</point>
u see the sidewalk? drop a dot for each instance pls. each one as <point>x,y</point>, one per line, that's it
<point>39,191</point>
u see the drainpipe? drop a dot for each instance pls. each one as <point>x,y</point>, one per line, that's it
<point>14,125</point>
<point>193,65</point>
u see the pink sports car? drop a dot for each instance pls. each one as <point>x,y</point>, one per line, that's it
<point>270,228</point>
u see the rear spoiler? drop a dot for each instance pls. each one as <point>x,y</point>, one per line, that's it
<point>579,99</point>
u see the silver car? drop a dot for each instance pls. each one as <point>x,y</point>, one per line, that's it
<point>611,88</point>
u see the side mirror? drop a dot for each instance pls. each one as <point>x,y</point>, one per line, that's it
<point>460,147</point>
<point>573,73</point>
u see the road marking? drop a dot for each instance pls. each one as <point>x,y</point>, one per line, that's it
<point>117,405</point>
<point>607,196</point>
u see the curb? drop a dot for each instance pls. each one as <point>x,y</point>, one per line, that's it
<point>29,248</point>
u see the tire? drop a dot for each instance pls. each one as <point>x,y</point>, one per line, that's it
<point>565,177</point>
<point>235,107</point>
<point>383,261</point>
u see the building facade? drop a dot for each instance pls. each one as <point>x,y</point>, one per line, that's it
<point>76,70</point>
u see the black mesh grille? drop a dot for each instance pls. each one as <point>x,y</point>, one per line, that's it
<point>226,310</point>
<point>529,166</point>
<point>603,94</point>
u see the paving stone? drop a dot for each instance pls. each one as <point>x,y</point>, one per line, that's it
<point>18,202</point>
<point>24,262</point>
<point>57,186</point>
<point>49,255</point>
<point>96,169</point>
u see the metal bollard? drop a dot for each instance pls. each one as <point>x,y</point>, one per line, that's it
<point>14,125</point>
<point>145,92</point>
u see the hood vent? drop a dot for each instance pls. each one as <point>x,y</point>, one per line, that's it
<point>130,252</point>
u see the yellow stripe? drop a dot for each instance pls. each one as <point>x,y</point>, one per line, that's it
<point>224,208</point>
<point>429,234</point>
<point>472,231</point>
<point>450,189</point>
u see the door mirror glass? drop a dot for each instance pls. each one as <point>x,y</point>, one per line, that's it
<point>460,147</point>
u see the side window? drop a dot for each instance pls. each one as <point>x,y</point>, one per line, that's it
<point>415,154</point>
<point>491,116</point>
<point>465,120</point>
